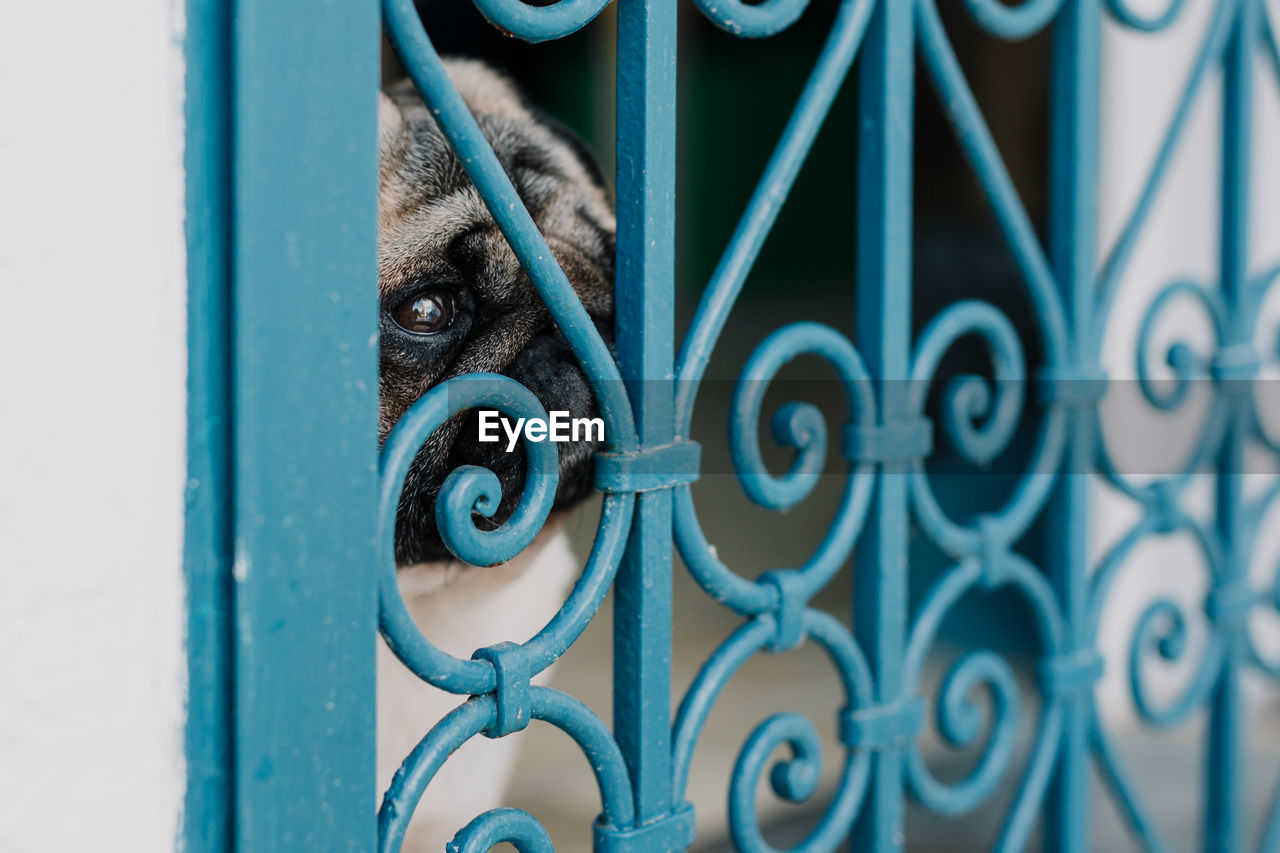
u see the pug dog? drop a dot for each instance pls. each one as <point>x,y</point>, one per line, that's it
<point>455,300</point>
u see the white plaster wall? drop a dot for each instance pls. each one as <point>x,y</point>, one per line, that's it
<point>92,432</point>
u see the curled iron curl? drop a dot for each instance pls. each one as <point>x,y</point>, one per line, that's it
<point>1187,368</point>
<point>962,721</point>
<point>1161,627</point>
<point>980,423</point>
<point>1180,357</point>
<point>463,490</point>
<point>801,427</point>
<point>794,779</point>
<point>469,489</point>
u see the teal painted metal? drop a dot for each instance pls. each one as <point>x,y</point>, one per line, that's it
<point>645,325</point>
<point>304,398</point>
<point>1073,170</point>
<point>886,89</point>
<point>1226,761</point>
<point>293,374</point>
<point>207,546</point>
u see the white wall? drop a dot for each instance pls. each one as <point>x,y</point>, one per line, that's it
<point>92,431</point>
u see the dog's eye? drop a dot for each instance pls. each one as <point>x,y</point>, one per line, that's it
<point>425,314</point>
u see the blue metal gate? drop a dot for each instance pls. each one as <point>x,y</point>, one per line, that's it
<point>641,761</point>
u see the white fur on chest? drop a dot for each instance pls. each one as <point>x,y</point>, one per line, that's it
<point>460,609</point>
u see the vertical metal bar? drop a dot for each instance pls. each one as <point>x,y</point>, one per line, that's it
<point>645,329</point>
<point>1224,785</point>
<point>1072,247</point>
<point>886,79</point>
<point>207,552</point>
<point>304,247</point>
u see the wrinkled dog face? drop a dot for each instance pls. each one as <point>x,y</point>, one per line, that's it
<point>455,300</point>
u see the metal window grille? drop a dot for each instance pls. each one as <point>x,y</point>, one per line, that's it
<point>289,766</point>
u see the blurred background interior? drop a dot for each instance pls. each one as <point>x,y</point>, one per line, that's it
<point>735,96</point>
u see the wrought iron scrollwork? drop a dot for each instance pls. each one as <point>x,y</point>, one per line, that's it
<point>884,444</point>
